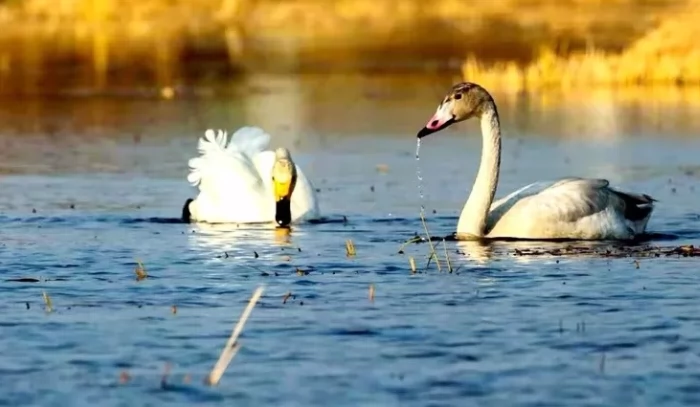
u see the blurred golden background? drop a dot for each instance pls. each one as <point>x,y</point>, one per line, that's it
<point>48,45</point>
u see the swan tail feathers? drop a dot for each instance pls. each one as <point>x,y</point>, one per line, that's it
<point>212,149</point>
<point>222,160</point>
<point>637,206</point>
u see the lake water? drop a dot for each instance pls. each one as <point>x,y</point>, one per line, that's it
<point>91,184</point>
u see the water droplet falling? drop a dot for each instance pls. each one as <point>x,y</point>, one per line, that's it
<point>420,178</point>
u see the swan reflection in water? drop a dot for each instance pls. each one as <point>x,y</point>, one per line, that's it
<point>239,240</point>
<point>484,252</point>
<point>476,250</point>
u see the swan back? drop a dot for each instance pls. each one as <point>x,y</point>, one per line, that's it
<point>570,208</point>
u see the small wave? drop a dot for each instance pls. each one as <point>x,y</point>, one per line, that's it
<point>152,220</point>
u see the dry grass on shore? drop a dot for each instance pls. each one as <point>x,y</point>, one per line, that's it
<point>667,56</point>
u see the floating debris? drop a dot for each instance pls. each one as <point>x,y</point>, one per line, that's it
<point>22,280</point>
<point>286,297</point>
<point>140,271</point>
<point>124,377</point>
<point>173,309</point>
<point>412,262</point>
<point>612,251</point>
<point>164,378</point>
<point>371,292</point>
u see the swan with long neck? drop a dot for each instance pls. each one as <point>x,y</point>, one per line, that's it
<point>568,208</point>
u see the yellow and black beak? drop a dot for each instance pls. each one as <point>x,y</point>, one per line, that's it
<point>284,180</point>
<point>283,203</point>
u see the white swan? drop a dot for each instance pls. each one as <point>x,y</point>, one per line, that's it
<point>569,208</point>
<point>244,182</point>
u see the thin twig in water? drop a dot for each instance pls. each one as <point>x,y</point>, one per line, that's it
<point>286,297</point>
<point>414,239</point>
<point>430,242</point>
<point>447,256</point>
<point>232,346</point>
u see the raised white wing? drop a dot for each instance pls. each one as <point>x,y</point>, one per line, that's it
<point>235,179</point>
<point>230,185</point>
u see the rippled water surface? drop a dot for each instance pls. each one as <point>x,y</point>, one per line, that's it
<point>91,185</point>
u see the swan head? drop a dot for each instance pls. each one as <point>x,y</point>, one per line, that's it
<point>464,101</point>
<point>284,179</point>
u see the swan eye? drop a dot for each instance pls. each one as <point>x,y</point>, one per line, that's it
<point>458,96</point>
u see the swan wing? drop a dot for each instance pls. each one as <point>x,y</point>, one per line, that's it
<point>250,140</point>
<point>569,199</point>
<point>304,200</point>
<point>231,188</point>
<point>579,207</point>
<point>543,193</point>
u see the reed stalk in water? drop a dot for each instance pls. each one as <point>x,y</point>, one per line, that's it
<point>433,253</point>
<point>47,301</point>
<point>232,346</point>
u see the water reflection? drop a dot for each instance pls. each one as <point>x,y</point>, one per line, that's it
<point>317,115</point>
<point>278,106</point>
<point>479,251</point>
<point>483,252</point>
<point>238,240</point>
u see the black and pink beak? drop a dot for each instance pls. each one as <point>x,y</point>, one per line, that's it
<point>442,118</point>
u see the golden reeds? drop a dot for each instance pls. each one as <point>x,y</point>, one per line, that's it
<point>668,55</point>
<point>161,33</point>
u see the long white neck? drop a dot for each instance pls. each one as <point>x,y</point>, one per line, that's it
<point>473,220</point>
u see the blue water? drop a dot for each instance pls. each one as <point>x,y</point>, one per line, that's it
<point>77,212</point>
